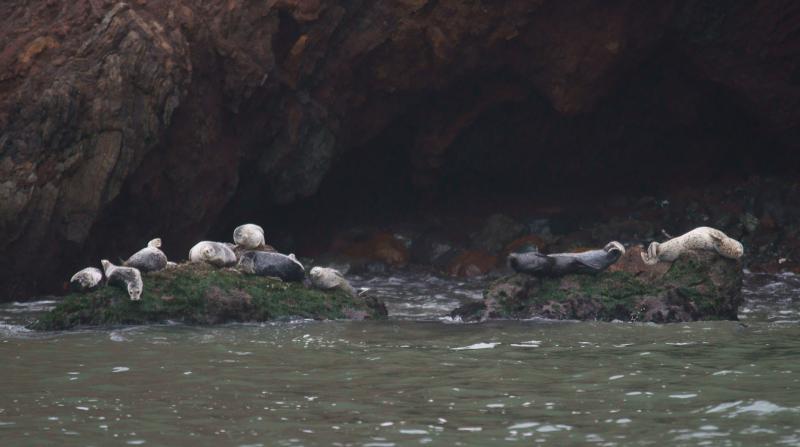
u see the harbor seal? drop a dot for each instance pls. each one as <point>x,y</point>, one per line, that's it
<point>86,280</point>
<point>148,259</point>
<point>701,238</point>
<point>263,263</point>
<point>557,264</point>
<point>128,277</point>
<point>325,278</point>
<point>217,254</point>
<point>249,236</point>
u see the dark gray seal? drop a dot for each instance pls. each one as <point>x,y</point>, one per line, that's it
<point>557,264</point>
<point>148,259</point>
<point>263,263</point>
<point>86,280</point>
<point>127,277</point>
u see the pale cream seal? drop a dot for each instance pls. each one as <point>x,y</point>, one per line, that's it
<point>699,239</point>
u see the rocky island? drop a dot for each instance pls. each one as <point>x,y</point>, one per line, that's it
<point>699,285</point>
<point>201,294</point>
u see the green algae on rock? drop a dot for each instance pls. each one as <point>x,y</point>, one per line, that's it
<point>200,294</point>
<point>697,286</point>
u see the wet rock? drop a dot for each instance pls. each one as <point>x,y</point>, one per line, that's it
<point>498,231</point>
<point>373,267</point>
<point>525,244</point>
<point>540,227</point>
<point>381,247</point>
<point>472,263</point>
<point>749,222</point>
<point>199,294</point>
<point>430,249</point>
<point>697,286</point>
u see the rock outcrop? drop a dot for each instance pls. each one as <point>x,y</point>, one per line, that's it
<point>198,294</point>
<point>697,286</point>
<point>122,119</point>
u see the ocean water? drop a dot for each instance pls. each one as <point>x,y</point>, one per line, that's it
<point>418,379</point>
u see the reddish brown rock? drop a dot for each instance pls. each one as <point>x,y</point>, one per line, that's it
<point>381,247</point>
<point>123,119</point>
<point>523,242</point>
<point>472,263</point>
<point>631,262</point>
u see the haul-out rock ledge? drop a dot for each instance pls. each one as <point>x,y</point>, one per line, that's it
<point>202,294</point>
<point>699,285</point>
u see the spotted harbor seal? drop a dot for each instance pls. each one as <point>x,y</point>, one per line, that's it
<point>263,263</point>
<point>701,238</point>
<point>86,280</point>
<point>249,236</point>
<point>128,277</point>
<point>148,259</point>
<point>557,264</point>
<point>217,254</point>
<point>325,278</point>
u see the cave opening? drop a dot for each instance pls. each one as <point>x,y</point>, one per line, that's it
<point>454,153</point>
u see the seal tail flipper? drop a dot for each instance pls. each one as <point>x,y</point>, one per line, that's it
<point>615,246</point>
<point>651,257</point>
<point>294,259</point>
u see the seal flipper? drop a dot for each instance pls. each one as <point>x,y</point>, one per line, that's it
<point>598,260</point>
<point>651,257</point>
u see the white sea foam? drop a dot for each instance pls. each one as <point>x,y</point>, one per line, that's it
<point>477,346</point>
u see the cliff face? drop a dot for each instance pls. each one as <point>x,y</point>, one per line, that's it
<point>119,121</point>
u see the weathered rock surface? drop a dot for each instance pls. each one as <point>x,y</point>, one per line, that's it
<point>197,294</point>
<point>697,286</point>
<point>123,119</point>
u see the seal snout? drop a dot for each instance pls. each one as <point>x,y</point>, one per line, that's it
<point>134,291</point>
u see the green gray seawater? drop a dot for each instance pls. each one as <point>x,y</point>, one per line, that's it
<point>406,382</point>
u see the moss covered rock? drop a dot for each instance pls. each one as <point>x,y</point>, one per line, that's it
<point>697,286</point>
<point>199,294</point>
